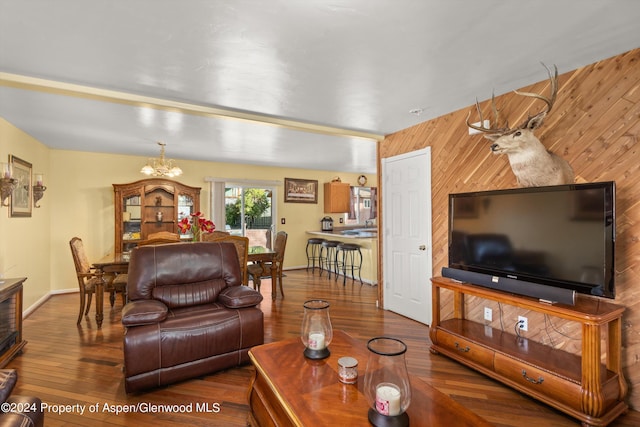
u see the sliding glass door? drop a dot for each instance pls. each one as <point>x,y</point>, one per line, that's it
<point>249,212</point>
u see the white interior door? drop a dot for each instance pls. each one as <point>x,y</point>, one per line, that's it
<point>407,234</point>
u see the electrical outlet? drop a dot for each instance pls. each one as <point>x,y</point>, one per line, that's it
<point>488,314</point>
<point>282,221</point>
<point>523,323</point>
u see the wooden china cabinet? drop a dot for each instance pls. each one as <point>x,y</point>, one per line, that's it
<point>149,206</point>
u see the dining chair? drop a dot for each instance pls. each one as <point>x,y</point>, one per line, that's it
<point>88,278</point>
<point>157,241</point>
<point>164,235</point>
<point>160,238</point>
<point>214,235</point>
<point>256,271</point>
<point>242,247</point>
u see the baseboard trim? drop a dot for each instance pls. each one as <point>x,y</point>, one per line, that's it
<point>33,307</point>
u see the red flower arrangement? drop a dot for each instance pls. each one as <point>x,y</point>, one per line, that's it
<point>197,225</point>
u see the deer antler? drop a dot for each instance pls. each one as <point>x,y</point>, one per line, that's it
<point>496,115</point>
<point>533,122</point>
<point>536,119</point>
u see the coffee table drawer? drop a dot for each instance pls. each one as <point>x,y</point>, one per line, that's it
<point>266,408</point>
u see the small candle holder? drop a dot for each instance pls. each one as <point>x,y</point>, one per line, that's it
<point>386,383</point>
<point>348,370</point>
<point>316,331</point>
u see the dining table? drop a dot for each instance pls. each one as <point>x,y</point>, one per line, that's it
<point>108,265</point>
<point>119,263</point>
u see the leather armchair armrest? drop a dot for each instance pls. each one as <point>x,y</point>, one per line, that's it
<point>143,312</point>
<point>8,379</point>
<point>239,297</point>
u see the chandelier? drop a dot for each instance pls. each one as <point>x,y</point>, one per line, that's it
<point>161,166</point>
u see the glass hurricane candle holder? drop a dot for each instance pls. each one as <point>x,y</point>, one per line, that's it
<point>316,331</point>
<point>386,382</point>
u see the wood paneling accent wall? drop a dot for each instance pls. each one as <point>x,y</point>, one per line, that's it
<point>595,125</point>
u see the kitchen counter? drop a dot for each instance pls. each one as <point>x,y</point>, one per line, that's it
<point>368,241</point>
<point>347,233</point>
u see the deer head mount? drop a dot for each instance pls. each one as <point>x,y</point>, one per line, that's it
<point>530,161</point>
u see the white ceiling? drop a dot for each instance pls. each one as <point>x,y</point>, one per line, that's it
<point>299,83</point>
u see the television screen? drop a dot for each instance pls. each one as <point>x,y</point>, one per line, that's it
<point>561,236</point>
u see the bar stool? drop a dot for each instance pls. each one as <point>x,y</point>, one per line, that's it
<point>328,254</point>
<point>348,252</point>
<point>314,253</point>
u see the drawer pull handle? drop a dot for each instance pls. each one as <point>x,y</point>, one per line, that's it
<point>531,380</point>
<point>464,350</point>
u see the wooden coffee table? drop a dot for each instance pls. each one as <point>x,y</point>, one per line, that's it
<point>290,390</point>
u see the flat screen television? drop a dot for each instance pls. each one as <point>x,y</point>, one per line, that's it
<point>546,242</point>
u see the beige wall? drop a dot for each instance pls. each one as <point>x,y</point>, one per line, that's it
<point>25,243</point>
<point>79,202</point>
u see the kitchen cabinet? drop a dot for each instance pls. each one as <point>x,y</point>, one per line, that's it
<point>337,197</point>
<point>149,206</point>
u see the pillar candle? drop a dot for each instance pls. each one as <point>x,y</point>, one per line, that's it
<point>388,399</point>
<point>39,180</point>
<point>316,341</point>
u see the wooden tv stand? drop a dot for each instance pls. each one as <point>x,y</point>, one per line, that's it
<point>589,388</point>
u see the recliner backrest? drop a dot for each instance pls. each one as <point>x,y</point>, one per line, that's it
<point>242,247</point>
<point>183,274</point>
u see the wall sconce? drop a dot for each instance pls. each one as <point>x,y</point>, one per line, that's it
<point>7,182</point>
<point>38,190</point>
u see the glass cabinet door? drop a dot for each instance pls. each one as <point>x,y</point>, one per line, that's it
<point>131,220</point>
<point>185,210</point>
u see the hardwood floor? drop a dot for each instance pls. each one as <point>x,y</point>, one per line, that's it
<point>68,365</point>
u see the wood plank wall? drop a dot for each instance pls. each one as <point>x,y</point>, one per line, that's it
<point>595,125</point>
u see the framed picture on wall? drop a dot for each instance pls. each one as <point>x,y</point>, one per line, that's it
<point>300,190</point>
<point>21,196</point>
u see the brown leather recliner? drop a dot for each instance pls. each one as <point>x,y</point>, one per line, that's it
<point>188,314</point>
<point>19,411</point>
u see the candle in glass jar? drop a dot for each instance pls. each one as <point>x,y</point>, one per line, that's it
<point>39,181</point>
<point>316,341</point>
<point>388,399</point>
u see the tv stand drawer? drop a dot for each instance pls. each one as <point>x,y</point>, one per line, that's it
<point>466,349</point>
<point>538,382</point>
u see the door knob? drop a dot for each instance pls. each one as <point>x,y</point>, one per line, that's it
<point>422,247</point>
